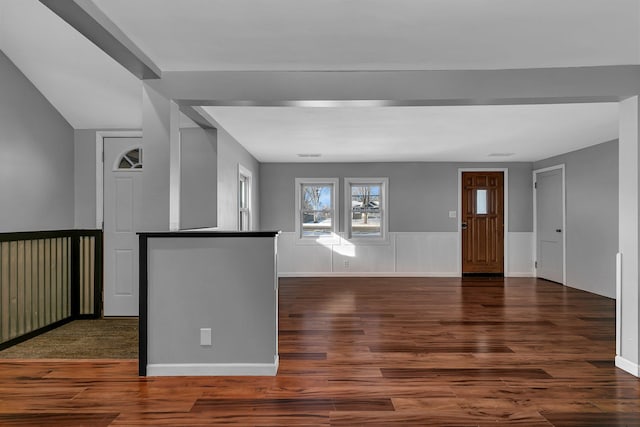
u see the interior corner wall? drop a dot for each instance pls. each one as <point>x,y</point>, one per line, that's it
<point>230,154</point>
<point>36,161</point>
<point>592,216</point>
<point>198,178</point>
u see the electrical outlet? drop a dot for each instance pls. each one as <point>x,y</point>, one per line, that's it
<point>346,263</point>
<point>205,336</point>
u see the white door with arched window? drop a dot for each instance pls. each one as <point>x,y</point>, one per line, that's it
<point>123,164</point>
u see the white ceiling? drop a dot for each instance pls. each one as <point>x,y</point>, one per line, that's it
<point>379,34</point>
<point>374,134</point>
<point>92,91</point>
<point>87,86</point>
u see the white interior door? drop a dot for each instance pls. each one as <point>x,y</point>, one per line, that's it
<point>122,169</point>
<point>549,225</point>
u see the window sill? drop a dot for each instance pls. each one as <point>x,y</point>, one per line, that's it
<point>324,241</point>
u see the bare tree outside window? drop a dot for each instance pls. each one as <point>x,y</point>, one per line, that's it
<point>363,194</point>
<point>317,209</point>
<point>312,200</point>
<point>365,209</point>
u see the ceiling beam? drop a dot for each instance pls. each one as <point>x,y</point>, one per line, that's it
<point>90,21</point>
<point>389,88</point>
<point>198,116</point>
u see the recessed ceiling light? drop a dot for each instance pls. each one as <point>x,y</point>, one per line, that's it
<point>501,154</point>
<point>309,155</point>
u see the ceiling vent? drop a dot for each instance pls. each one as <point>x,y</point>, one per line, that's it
<point>308,155</point>
<point>501,154</point>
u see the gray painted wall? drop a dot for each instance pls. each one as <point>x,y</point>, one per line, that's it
<point>216,290</point>
<point>36,161</point>
<point>160,118</point>
<point>85,178</point>
<point>592,216</point>
<point>420,194</point>
<point>198,178</point>
<point>230,154</point>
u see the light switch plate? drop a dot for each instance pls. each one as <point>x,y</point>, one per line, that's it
<point>452,214</point>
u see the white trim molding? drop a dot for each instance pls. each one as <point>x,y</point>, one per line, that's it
<point>100,136</point>
<point>213,369</point>
<point>246,173</point>
<point>628,366</point>
<point>368,274</point>
<point>618,303</point>
<point>505,267</point>
<point>561,167</point>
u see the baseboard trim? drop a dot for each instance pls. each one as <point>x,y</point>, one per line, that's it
<point>213,369</point>
<point>628,366</point>
<point>520,274</point>
<point>387,274</point>
<point>367,274</point>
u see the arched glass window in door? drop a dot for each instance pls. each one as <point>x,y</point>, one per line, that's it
<point>132,159</point>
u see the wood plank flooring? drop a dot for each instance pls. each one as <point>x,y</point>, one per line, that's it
<point>372,351</point>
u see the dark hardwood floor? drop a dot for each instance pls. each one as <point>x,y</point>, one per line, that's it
<point>372,351</point>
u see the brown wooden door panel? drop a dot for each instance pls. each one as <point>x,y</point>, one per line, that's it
<point>483,239</point>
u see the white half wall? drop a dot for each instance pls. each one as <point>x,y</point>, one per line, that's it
<point>407,254</point>
<point>521,255</point>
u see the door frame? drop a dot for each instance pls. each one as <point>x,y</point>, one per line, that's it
<point>560,166</point>
<point>100,136</point>
<point>505,214</point>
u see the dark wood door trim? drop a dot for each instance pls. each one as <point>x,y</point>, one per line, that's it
<point>498,263</point>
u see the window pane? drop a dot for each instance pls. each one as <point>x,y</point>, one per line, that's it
<point>317,197</point>
<point>243,193</point>
<point>481,202</point>
<point>124,164</point>
<point>244,221</point>
<point>316,210</point>
<point>134,156</point>
<point>317,223</point>
<point>365,207</point>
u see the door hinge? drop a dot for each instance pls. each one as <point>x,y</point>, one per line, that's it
<point>536,264</point>
<point>535,185</point>
<point>103,157</point>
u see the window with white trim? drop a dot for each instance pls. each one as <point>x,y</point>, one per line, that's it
<point>366,208</point>
<point>244,199</point>
<point>316,207</point>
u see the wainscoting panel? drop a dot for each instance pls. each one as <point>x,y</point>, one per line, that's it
<point>432,253</point>
<point>406,254</point>
<point>295,258</point>
<point>356,258</point>
<point>521,254</point>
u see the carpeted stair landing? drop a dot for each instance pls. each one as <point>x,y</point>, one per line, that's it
<point>82,339</point>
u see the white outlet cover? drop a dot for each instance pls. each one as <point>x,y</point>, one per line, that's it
<point>205,336</point>
<point>452,214</point>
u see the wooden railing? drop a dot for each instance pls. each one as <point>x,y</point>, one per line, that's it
<point>48,278</point>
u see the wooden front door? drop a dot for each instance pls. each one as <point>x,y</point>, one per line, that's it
<point>483,222</point>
